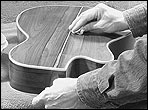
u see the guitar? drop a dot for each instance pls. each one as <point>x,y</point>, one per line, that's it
<point>46,49</point>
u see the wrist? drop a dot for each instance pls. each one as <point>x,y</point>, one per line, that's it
<point>124,23</point>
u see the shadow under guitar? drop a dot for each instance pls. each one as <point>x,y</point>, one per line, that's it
<point>4,68</point>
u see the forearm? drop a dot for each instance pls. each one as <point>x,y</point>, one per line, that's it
<point>117,82</point>
<point>137,19</point>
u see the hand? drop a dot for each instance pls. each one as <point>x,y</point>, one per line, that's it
<point>107,19</point>
<point>61,95</point>
<point>4,42</point>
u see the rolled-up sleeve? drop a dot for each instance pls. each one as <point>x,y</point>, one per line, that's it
<point>118,82</point>
<point>123,80</point>
<point>136,18</point>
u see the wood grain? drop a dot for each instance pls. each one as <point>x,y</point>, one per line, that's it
<point>47,50</point>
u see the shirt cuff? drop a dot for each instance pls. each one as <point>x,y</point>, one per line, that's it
<point>137,19</point>
<point>91,92</point>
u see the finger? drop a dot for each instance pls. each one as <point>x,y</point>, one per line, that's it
<point>77,19</point>
<point>73,23</point>
<point>89,27</point>
<point>37,102</point>
<point>3,39</point>
<point>79,24</point>
<point>84,17</point>
<point>96,27</point>
<point>100,26</point>
<point>40,98</point>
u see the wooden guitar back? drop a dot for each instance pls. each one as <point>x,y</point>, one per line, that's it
<point>47,50</point>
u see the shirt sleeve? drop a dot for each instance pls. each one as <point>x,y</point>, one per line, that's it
<point>118,82</point>
<point>136,18</point>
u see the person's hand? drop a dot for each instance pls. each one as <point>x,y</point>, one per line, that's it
<point>107,20</point>
<point>4,42</point>
<point>61,95</point>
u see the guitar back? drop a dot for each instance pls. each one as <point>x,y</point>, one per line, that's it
<point>47,50</point>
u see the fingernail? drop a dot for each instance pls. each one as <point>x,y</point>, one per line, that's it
<point>82,31</point>
<point>74,31</point>
<point>69,27</point>
<point>34,101</point>
<point>79,32</point>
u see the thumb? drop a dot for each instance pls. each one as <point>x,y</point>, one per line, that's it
<point>39,100</point>
<point>38,103</point>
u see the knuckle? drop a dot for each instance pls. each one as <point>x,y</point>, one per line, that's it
<point>55,81</point>
<point>82,14</point>
<point>101,4</point>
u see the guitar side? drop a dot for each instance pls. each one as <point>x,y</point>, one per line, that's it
<point>47,50</point>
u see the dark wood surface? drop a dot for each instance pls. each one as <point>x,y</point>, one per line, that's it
<point>47,28</point>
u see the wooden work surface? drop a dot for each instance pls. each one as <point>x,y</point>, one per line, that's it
<point>11,98</point>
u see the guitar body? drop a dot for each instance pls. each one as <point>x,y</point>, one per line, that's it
<point>47,50</point>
